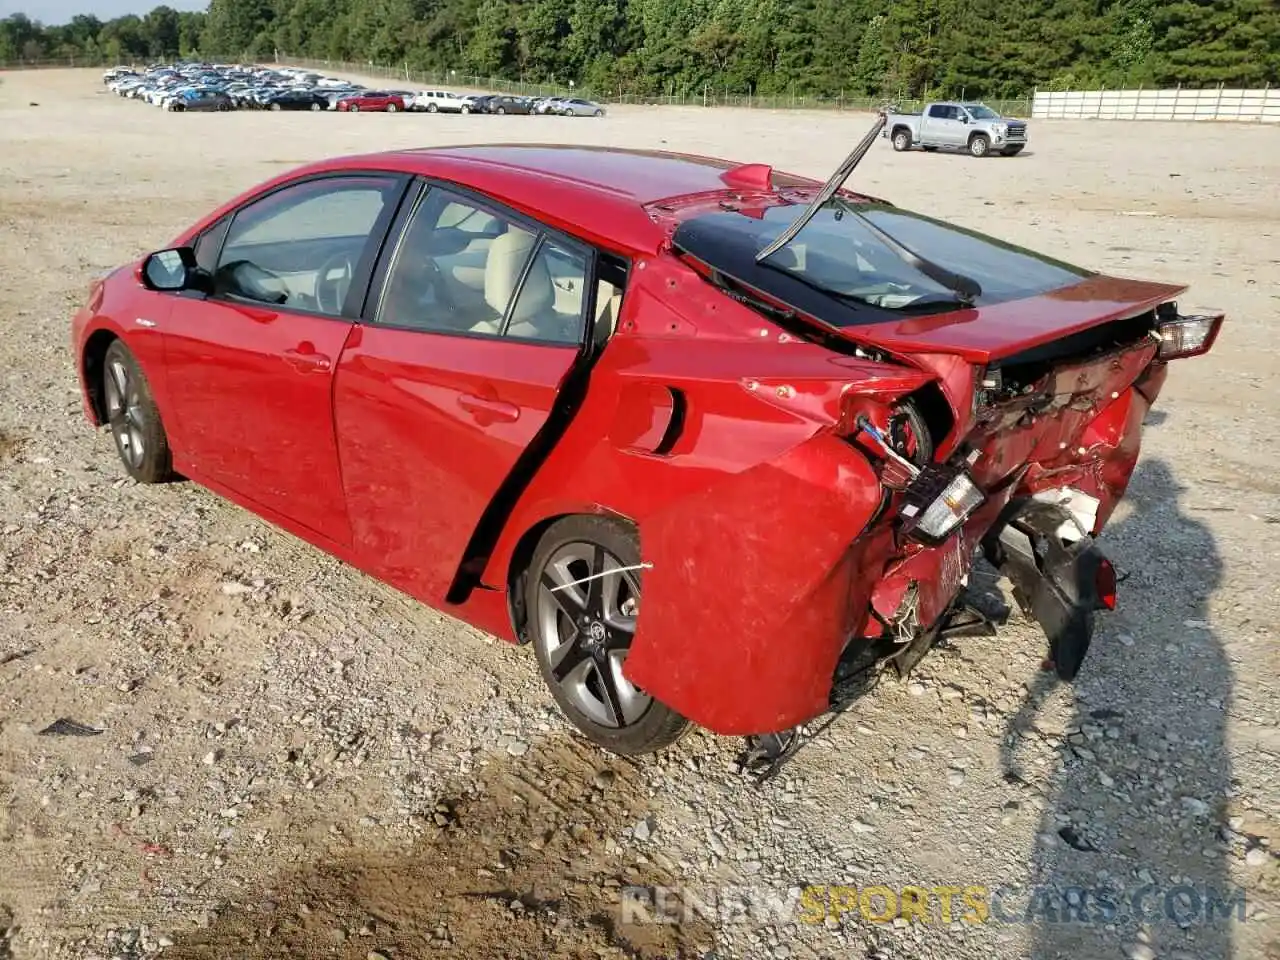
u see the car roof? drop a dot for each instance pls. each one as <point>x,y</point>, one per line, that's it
<point>556,182</point>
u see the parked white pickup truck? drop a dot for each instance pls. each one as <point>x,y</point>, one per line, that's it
<point>960,126</point>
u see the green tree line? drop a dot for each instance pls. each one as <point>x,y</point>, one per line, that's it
<point>989,48</point>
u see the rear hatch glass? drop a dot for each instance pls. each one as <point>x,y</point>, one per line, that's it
<point>839,269</point>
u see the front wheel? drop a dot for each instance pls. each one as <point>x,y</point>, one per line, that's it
<point>582,597</point>
<point>465,110</point>
<point>902,140</point>
<point>979,146</point>
<point>133,417</point>
<point>276,106</point>
<point>315,105</point>
<point>392,108</point>
<point>501,110</point>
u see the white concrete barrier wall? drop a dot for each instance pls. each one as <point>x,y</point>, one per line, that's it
<point>1250,106</point>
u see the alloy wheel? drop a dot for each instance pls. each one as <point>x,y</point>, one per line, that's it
<point>125,414</point>
<point>587,607</point>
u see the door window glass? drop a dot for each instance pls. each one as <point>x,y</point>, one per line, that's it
<point>463,269</point>
<point>456,268</point>
<point>300,246</point>
<point>551,303</point>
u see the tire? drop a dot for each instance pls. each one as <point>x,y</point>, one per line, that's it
<point>902,140</point>
<point>465,110</point>
<point>315,106</point>
<point>583,671</point>
<point>134,419</point>
<point>354,108</point>
<point>432,108</point>
<point>500,110</point>
<point>392,108</point>
<point>979,145</point>
<point>276,106</point>
<point>598,113</point>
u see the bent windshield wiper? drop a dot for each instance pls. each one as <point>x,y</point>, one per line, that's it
<point>834,183</point>
<point>966,289</point>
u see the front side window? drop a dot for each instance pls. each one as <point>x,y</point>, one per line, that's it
<point>979,112</point>
<point>299,247</point>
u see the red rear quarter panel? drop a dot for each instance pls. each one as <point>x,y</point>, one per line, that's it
<point>751,521</point>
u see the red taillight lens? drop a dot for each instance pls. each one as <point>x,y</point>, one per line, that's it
<point>1104,584</point>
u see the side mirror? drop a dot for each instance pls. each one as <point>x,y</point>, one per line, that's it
<point>964,118</point>
<point>170,270</point>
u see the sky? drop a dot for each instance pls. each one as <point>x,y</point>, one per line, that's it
<point>52,12</point>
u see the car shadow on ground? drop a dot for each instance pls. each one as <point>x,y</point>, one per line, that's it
<point>1134,819</point>
<point>518,861</point>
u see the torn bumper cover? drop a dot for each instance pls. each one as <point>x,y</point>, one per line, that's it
<point>1060,578</point>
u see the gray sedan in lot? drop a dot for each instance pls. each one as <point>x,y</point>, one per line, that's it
<point>576,108</point>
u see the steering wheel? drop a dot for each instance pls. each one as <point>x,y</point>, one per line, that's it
<point>333,281</point>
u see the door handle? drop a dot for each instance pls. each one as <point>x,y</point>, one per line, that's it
<point>306,359</point>
<point>486,410</point>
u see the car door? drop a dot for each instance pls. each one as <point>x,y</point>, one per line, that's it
<point>442,390</point>
<point>935,127</point>
<point>250,366</point>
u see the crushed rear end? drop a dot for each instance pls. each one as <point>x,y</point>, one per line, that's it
<point>1030,456</point>
<point>1020,445</point>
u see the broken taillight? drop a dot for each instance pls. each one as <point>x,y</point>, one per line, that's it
<point>1181,336</point>
<point>1104,584</point>
<point>937,502</point>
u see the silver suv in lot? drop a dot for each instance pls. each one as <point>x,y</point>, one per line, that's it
<point>973,127</point>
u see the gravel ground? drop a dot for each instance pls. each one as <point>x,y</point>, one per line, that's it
<point>296,761</point>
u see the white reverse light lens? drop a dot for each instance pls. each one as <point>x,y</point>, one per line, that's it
<point>950,508</point>
<point>1186,336</point>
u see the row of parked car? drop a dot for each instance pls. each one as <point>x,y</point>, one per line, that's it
<point>221,87</point>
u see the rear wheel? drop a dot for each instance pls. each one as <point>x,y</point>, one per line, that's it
<point>315,105</point>
<point>354,108</point>
<point>979,145</point>
<point>134,418</point>
<point>501,110</point>
<point>432,108</point>
<point>582,631</point>
<point>465,109</point>
<point>901,140</point>
<point>276,106</point>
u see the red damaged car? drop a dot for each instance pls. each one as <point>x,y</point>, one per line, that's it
<point>713,438</point>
